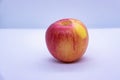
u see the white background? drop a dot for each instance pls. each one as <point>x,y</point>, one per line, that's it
<point>41,13</point>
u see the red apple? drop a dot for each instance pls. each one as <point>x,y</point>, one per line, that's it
<point>67,39</point>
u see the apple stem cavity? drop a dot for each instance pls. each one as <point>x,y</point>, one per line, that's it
<point>66,23</point>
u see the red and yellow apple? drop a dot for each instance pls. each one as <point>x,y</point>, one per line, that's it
<point>67,39</point>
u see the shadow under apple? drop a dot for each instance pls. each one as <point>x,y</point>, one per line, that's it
<point>53,65</point>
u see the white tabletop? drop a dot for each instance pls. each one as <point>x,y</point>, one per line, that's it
<point>24,56</point>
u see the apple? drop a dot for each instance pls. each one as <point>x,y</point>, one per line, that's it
<point>67,39</point>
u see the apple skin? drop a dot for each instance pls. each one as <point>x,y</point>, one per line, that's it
<point>67,39</point>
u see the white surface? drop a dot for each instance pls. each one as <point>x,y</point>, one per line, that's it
<point>24,56</point>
